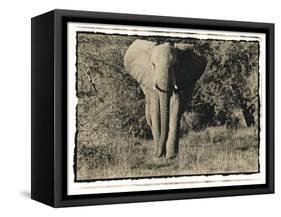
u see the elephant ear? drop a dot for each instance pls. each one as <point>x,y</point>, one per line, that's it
<point>137,61</point>
<point>190,67</point>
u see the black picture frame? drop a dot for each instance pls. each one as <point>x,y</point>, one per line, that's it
<point>49,107</point>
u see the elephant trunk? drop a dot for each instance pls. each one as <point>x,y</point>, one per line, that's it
<point>164,122</point>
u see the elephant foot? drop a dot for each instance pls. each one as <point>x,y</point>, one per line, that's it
<point>171,155</point>
<point>160,154</point>
<point>172,150</point>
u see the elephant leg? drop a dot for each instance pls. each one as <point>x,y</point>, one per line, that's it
<point>147,106</point>
<point>147,113</point>
<point>155,121</point>
<point>174,125</point>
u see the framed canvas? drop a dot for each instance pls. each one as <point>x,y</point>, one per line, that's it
<point>134,108</point>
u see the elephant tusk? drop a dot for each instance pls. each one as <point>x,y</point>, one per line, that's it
<point>159,89</point>
<point>176,87</point>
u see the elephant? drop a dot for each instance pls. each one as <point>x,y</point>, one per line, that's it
<point>167,74</point>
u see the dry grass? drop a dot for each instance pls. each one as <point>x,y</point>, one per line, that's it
<point>212,151</point>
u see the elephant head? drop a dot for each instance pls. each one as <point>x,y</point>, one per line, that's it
<point>167,75</point>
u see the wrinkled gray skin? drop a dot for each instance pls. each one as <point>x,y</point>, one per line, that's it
<point>167,75</point>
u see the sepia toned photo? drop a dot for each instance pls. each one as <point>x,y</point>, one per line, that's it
<point>134,108</point>
<point>158,106</point>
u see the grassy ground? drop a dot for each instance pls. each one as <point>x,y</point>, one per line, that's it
<point>214,150</point>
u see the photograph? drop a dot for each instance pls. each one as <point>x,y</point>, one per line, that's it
<point>165,104</point>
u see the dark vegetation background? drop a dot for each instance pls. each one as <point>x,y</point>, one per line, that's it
<point>111,105</point>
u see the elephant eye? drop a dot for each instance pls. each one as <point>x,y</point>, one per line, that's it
<point>153,65</point>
